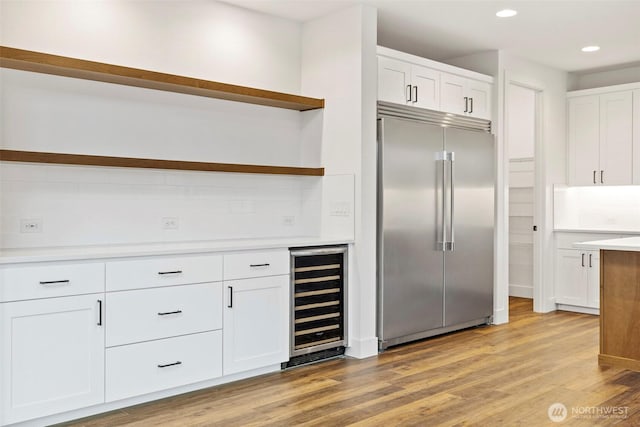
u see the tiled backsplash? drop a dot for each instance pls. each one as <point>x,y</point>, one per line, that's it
<point>77,205</point>
<point>596,208</point>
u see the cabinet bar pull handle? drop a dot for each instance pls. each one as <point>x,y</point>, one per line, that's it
<point>170,364</point>
<point>590,255</point>
<point>601,177</point>
<point>259,265</point>
<point>583,260</point>
<point>409,93</point>
<point>99,312</point>
<point>162,273</point>
<point>230,297</point>
<point>55,282</point>
<point>471,102</point>
<point>466,104</point>
<point>594,177</point>
<point>415,93</point>
<point>166,313</point>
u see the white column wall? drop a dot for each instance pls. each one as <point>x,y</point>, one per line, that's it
<point>339,63</point>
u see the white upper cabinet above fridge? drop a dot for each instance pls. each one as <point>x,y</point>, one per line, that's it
<point>418,82</point>
<point>404,83</point>
<point>460,95</point>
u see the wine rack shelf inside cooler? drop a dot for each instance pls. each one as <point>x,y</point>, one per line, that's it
<point>318,295</point>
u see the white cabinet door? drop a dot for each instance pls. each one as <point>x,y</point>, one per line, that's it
<point>571,280</point>
<point>426,87</point>
<point>593,278</point>
<point>52,357</point>
<point>616,138</point>
<point>453,93</point>
<point>479,94</point>
<point>394,80</point>
<point>460,95</point>
<point>256,323</point>
<point>584,140</point>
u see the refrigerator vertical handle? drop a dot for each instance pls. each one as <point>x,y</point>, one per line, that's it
<point>452,194</point>
<point>441,232</point>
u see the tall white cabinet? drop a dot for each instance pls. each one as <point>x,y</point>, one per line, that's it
<point>601,136</point>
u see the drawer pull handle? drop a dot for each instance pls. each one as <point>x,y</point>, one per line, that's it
<point>259,265</point>
<point>170,364</point>
<point>230,305</point>
<point>163,273</point>
<point>55,282</point>
<point>166,313</point>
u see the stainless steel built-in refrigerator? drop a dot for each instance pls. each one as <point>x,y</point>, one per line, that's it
<point>435,223</point>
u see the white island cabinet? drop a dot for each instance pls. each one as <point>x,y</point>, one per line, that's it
<point>51,339</point>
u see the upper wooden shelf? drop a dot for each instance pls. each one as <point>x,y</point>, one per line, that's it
<point>133,162</point>
<point>89,70</point>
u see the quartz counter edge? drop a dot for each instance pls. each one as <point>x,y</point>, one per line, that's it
<point>81,253</point>
<point>622,244</point>
<point>595,231</point>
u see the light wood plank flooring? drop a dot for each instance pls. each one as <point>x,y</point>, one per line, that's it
<point>505,375</point>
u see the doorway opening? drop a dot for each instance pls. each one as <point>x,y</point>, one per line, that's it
<point>522,134</point>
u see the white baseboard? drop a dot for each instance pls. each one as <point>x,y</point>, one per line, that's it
<point>500,316</point>
<point>578,309</point>
<point>361,349</point>
<point>521,291</point>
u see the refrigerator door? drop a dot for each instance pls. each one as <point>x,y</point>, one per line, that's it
<point>469,265</point>
<point>410,265</point>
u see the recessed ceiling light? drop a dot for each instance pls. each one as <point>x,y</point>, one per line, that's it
<point>506,13</point>
<point>591,48</point>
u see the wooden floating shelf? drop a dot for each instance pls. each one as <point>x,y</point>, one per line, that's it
<point>89,70</point>
<point>131,162</point>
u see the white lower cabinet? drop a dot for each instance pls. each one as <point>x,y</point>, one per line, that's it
<point>256,323</point>
<point>52,356</point>
<point>136,369</point>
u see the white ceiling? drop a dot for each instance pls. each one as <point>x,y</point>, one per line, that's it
<point>550,32</point>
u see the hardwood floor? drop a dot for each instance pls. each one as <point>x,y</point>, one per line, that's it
<point>505,375</point>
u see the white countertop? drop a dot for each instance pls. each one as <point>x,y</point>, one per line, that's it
<point>595,231</point>
<point>15,256</point>
<point>624,244</point>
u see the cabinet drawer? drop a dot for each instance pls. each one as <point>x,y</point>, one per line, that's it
<point>136,369</point>
<point>256,264</point>
<point>163,271</point>
<point>148,314</point>
<point>46,281</point>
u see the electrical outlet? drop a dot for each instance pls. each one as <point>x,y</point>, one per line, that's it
<point>289,220</point>
<point>339,209</point>
<point>31,225</point>
<point>170,223</point>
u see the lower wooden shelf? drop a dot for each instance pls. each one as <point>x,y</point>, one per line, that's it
<point>132,162</point>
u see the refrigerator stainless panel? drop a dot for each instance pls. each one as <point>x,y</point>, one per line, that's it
<point>410,263</point>
<point>469,265</point>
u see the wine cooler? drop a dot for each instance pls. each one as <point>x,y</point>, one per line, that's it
<point>318,303</point>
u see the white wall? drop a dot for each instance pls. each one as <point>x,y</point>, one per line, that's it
<point>339,63</point>
<point>587,80</point>
<point>84,205</point>
<point>196,38</point>
<point>521,126</point>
